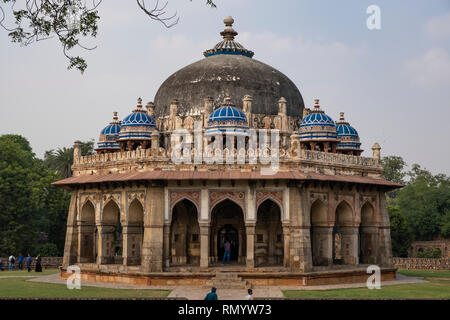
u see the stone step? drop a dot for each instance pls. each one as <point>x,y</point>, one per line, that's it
<point>221,284</point>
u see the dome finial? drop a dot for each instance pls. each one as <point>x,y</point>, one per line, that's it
<point>115,117</point>
<point>228,33</point>
<point>227,97</point>
<point>316,104</point>
<point>341,116</point>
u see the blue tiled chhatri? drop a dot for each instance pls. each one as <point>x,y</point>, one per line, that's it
<point>138,125</point>
<point>227,118</point>
<point>347,135</point>
<point>317,125</point>
<point>109,135</point>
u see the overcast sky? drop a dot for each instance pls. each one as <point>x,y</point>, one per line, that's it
<point>393,84</point>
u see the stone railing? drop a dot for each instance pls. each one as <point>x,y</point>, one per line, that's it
<point>421,263</point>
<point>46,262</point>
<point>336,158</point>
<point>164,155</point>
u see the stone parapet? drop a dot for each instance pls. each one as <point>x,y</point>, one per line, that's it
<point>421,263</point>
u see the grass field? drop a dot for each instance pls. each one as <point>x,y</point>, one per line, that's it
<point>19,287</point>
<point>438,287</point>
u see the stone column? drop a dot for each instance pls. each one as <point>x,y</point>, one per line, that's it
<point>350,245</point>
<point>204,244</point>
<point>250,231</point>
<point>152,247</point>
<point>286,240</point>
<point>166,245</point>
<point>384,254</point>
<point>322,245</point>
<point>71,243</point>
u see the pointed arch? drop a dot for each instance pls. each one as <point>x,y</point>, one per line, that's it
<point>110,212</point>
<point>135,212</point>
<point>368,217</point>
<point>319,234</point>
<point>185,234</point>
<point>269,245</point>
<point>87,212</point>
<point>344,214</point>
<point>226,198</point>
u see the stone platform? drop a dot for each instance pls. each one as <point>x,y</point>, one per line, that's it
<point>228,276</point>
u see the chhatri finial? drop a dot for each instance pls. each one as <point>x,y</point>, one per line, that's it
<point>341,116</point>
<point>115,117</point>
<point>228,33</point>
<point>227,98</point>
<point>316,104</point>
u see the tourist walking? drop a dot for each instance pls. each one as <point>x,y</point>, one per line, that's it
<point>38,267</point>
<point>29,261</point>
<point>1,264</point>
<point>21,261</point>
<point>11,260</point>
<point>227,252</point>
<point>250,295</point>
<point>212,295</point>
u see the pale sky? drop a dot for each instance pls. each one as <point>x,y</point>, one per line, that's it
<point>393,84</point>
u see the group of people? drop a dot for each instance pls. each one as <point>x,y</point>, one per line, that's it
<point>28,261</point>
<point>213,295</point>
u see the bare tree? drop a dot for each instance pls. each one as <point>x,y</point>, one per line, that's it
<point>69,21</point>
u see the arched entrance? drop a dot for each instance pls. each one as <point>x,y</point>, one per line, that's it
<point>345,236</point>
<point>86,225</point>
<point>185,234</point>
<point>368,235</point>
<point>227,223</point>
<point>269,235</point>
<point>134,233</point>
<point>320,234</point>
<point>111,234</point>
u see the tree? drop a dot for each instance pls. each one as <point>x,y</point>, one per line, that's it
<point>61,159</point>
<point>425,203</point>
<point>393,170</point>
<point>32,211</point>
<point>400,233</point>
<point>69,21</point>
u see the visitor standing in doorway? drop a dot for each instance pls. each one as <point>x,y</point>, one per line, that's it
<point>227,252</point>
<point>250,295</point>
<point>29,261</point>
<point>21,261</point>
<point>38,264</point>
<point>11,260</point>
<point>212,295</point>
<point>1,264</point>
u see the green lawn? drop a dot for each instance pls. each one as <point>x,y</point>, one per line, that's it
<point>438,287</point>
<point>22,273</point>
<point>21,288</point>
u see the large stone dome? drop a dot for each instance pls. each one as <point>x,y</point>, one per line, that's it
<point>228,68</point>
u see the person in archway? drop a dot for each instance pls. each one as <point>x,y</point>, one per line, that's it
<point>227,252</point>
<point>212,295</point>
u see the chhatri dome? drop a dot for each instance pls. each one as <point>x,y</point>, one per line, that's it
<point>318,126</point>
<point>227,119</point>
<point>348,137</point>
<point>108,136</point>
<point>228,68</point>
<point>137,128</point>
